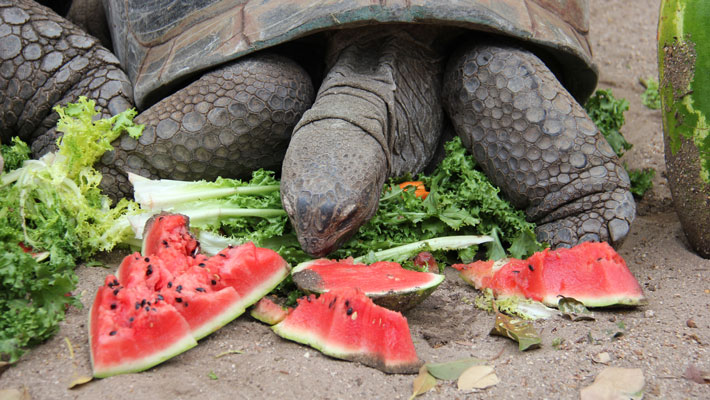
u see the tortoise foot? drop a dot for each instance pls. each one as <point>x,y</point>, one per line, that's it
<point>228,123</point>
<point>537,144</point>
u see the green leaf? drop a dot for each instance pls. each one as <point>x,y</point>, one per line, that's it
<point>607,112</point>
<point>574,309</point>
<point>641,180</point>
<point>14,155</point>
<point>212,376</point>
<point>517,329</point>
<point>650,97</point>
<point>451,370</point>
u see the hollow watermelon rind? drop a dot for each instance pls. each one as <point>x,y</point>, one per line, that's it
<point>268,311</point>
<point>308,277</point>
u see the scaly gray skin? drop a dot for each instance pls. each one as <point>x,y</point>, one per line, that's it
<point>379,106</point>
<point>45,60</point>
<point>379,113</point>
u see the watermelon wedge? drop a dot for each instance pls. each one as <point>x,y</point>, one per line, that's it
<point>386,283</point>
<point>269,312</point>
<point>126,338</point>
<point>181,295</point>
<point>344,323</point>
<point>591,272</point>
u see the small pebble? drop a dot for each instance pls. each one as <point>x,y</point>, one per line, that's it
<point>649,314</point>
<point>691,323</point>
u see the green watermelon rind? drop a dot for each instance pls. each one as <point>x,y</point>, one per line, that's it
<point>312,339</point>
<point>400,300</point>
<point>181,346</point>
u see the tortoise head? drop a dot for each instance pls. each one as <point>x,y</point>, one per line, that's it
<point>323,220</point>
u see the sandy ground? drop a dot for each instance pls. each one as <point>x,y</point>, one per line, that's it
<point>658,338</point>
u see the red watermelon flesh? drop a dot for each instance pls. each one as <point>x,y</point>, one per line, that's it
<point>591,272</point>
<point>170,232</point>
<point>344,323</point>
<point>119,316</point>
<point>205,293</point>
<point>385,282</point>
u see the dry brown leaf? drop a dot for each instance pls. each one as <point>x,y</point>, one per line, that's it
<point>80,380</point>
<point>15,394</point>
<point>423,383</point>
<point>477,377</point>
<point>696,375</point>
<point>615,383</point>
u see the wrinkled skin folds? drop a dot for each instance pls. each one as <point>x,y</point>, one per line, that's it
<point>379,112</point>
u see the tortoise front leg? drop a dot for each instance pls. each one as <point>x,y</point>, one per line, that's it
<point>46,60</point>
<point>228,123</point>
<point>536,142</point>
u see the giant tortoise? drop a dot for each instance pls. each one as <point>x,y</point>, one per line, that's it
<point>228,86</point>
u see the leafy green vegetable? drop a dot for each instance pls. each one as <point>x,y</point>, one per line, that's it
<point>607,112</point>
<point>650,97</point>
<point>641,180</point>
<point>513,305</point>
<point>54,208</point>
<point>461,201</point>
<point>15,154</point>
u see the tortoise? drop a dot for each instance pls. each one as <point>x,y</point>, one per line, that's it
<point>343,94</point>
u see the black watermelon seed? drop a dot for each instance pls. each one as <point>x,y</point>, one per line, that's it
<point>599,259</point>
<point>516,272</point>
<point>149,270</point>
<point>178,288</point>
<point>113,306</point>
<point>530,267</point>
<point>214,282</point>
<point>115,282</point>
<point>147,259</point>
<point>332,302</point>
<point>130,319</point>
<point>347,303</point>
<point>143,303</point>
<point>170,284</point>
<point>138,305</point>
<point>160,297</point>
<point>165,243</point>
<point>147,308</point>
<point>185,304</point>
<point>110,285</point>
<point>201,265</point>
<point>222,255</point>
<point>153,308</point>
<point>178,299</point>
<point>199,289</point>
<point>160,218</point>
<point>112,333</point>
<point>115,292</point>
<point>308,299</point>
<point>350,311</point>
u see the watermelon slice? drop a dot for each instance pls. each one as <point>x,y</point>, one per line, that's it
<point>344,323</point>
<point>181,295</point>
<point>386,283</point>
<point>269,312</point>
<point>591,272</point>
<point>126,337</point>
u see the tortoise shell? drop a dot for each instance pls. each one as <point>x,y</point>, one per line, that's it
<point>162,42</point>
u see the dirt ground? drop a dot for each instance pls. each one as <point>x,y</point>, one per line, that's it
<point>661,338</point>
